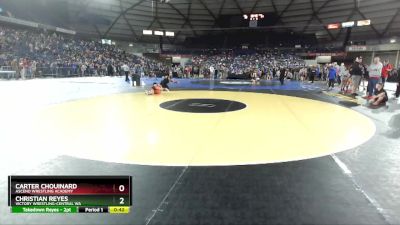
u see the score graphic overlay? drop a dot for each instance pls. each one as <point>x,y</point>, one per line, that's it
<point>69,194</point>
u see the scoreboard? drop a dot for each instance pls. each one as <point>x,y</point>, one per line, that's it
<point>69,194</point>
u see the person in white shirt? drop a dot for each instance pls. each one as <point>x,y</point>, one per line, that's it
<point>83,69</point>
<point>344,76</point>
<point>125,68</point>
<point>212,72</point>
<point>375,73</point>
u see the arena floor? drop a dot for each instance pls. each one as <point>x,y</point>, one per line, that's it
<point>208,152</point>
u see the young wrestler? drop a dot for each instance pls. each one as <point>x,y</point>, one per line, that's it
<point>155,89</point>
<point>380,97</point>
<point>164,83</point>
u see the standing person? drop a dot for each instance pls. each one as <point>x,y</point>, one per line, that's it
<point>125,68</point>
<point>296,74</point>
<point>397,94</point>
<point>212,72</point>
<point>83,69</point>
<point>318,72</point>
<point>387,68</point>
<point>332,77</point>
<point>103,69</point>
<point>28,71</point>
<point>164,83</point>
<point>110,70</point>
<point>14,66</point>
<point>365,76</point>
<point>34,68</point>
<point>375,72</point>
<point>342,72</point>
<point>22,66</point>
<point>337,67</point>
<point>196,71</point>
<point>302,74</point>
<point>281,74</point>
<point>356,74</point>
<point>325,72</point>
<point>305,74</point>
<point>312,73</point>
<point>344,76</point>
<point>118,70</point>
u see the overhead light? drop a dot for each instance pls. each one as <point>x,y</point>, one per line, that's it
<point>158,33</point>
<point>130,45</point>
<point>105,42</point>
<point>169,33</point>
<point>147,32</point>
<point>361,23</point>
<point>392,40</point>
<point>348,24</point>
<point>333,26</point>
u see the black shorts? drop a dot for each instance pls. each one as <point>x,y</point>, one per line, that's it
<point>165,86</point>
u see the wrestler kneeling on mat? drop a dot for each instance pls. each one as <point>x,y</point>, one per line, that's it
<point>155,90</point>
<point>380,97</point>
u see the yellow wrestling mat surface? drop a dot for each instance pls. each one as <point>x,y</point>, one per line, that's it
<point>133,128</point>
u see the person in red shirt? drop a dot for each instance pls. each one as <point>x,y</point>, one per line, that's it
<point>387,68</point>
<point>155,89</point>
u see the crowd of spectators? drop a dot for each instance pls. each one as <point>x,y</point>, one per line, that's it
<point>32,52</point>
<point>36,53</point>
<point>261,62</point>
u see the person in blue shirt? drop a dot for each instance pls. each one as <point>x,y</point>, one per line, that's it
<point>318,73</point>
<point>331,76</point>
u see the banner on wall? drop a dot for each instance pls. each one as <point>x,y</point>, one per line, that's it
<point>324,59</point>
<point>357,48</point>
<point>316,54</point>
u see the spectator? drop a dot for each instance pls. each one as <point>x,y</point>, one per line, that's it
<point>282,73</point>
<point>356,74</point>
<point>375,72</point>
<point>312,72</point>
<point>380,97</point>
<point>332,77</point>
<point>397,94</point>
<point>33,68</point>
<point>58,54</point>
<point>387,68</point>
<point>125,68</point>
<point>344,75</point>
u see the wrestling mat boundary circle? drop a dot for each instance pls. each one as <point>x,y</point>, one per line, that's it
<point>132,128</point>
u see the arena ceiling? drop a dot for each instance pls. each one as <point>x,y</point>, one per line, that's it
<point>125,19</point>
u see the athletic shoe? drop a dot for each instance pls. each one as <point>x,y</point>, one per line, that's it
<point>367,97</point>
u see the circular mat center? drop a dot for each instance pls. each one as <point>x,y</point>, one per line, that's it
<point>202,105</point>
